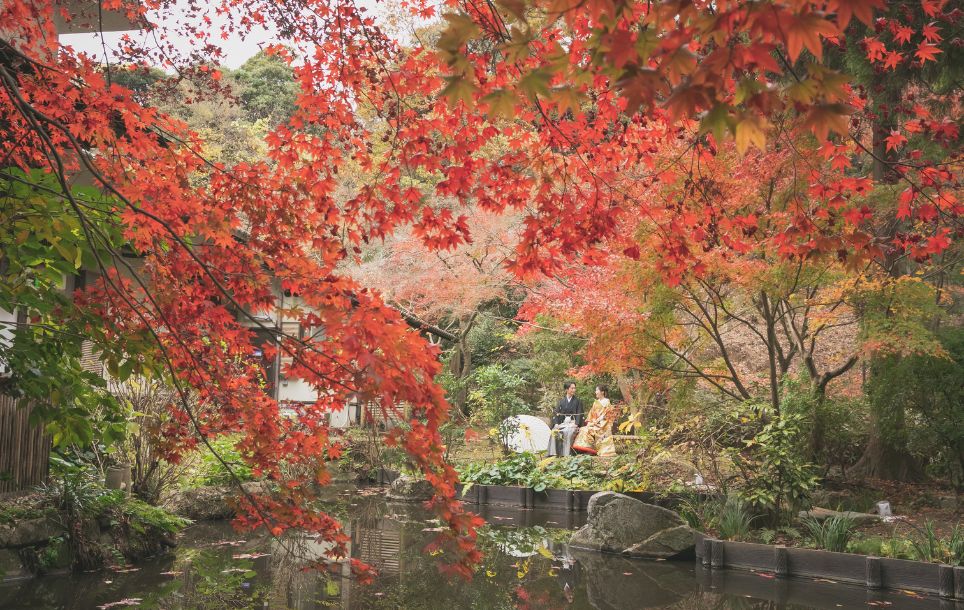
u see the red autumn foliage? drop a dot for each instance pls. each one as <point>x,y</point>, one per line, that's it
<point>562,120</point>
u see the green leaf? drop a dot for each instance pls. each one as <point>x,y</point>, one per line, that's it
<point>501,103</point>
<point>459,88</point>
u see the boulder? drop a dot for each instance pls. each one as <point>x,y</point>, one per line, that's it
<point>203,503</point>
<point>409,489</point>
<point>212,502</point>
<point>619,524</point>
<point>822,514</point>
<point>28,532</point>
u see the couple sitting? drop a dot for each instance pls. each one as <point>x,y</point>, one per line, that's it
<point>594,436</point>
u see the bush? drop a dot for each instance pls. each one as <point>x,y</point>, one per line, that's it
<point>210,471</point>
<point>146,404</point>
<point>83,504</point>
<point>497,395</point>
<point>571,472</point>
<point>920,399</point>
<point>777,478</point>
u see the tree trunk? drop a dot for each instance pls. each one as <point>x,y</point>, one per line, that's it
<point>883,460</point>
<point>886,455</point>
<point>769,318</point>
<point>461,367</point>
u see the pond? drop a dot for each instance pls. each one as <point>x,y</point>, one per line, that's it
<point>526,565</point>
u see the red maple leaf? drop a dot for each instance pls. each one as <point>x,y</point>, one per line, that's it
<point>895,140</point>
<point>926,52</point>
<point>892,60</point>
<point>932,8</point>
<point>903,34</point>
<point>930,32</point>
<point>875,48</point>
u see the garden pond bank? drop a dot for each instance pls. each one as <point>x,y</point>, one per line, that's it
<point>526,564</point>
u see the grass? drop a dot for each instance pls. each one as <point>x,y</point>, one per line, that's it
<point>832,534</point>
<point>734,521</point>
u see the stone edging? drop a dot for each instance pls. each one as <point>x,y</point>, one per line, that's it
<point>872,572</point>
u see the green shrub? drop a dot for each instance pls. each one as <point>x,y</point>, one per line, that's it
<point>867,546</point>
<point>516,469</point>
<point>832,534</point>
<point>919,401</point>
<point>209,469</point>
<point>777,477</point>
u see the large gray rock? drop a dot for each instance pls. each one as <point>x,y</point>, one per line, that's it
<point>28,532</point>
<point>213,502</point>
<point>203,503</point>
<point>410,489</point>
<point>822,514</point>
<point>620,524</point>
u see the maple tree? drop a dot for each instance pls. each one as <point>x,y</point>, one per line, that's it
<point>540,109</point>
<point>745,317</point>
<point>443,293</point>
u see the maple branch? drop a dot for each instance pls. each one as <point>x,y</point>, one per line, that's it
<point>88,229</point>
<point>422,325</point>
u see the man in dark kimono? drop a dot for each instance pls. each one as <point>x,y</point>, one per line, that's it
<point>568,405</point>
<point>565,421</point>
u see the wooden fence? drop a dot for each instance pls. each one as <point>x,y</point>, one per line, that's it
<point>24,449</point>
<point>872,572</point>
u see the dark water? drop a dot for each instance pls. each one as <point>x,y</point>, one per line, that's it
<point>526,565</point>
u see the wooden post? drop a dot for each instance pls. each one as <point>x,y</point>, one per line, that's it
<point>570,500</point>
<point>707,551</point>
<point>717,560</point>
<point>781,561</point>
<point>959,582</point>
<point>529,499</point>
<point>483,495</point>
<point>945,580</point>
<point>873,573</point>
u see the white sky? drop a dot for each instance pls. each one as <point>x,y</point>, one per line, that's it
<point>236,49</point>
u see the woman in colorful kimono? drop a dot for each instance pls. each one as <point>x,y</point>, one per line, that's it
<point>596,436</point>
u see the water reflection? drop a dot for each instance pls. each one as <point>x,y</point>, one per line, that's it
<point>526,565</point>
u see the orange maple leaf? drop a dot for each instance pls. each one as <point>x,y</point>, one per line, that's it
<point>863,9</point>
<point>804,31</point>
<point>824,118</point>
